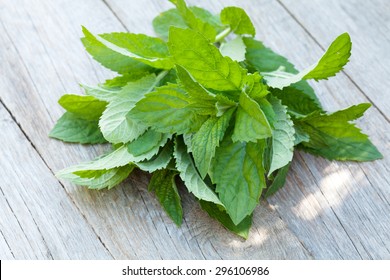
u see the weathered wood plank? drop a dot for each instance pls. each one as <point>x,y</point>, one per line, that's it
<point>128,219</point>
<point>38,219</point>
<point>369,26</point>
<point>328,205</point>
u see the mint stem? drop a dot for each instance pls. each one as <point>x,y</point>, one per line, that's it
<point>223,35</point>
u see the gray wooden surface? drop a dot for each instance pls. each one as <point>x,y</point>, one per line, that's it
<point>328,210</point>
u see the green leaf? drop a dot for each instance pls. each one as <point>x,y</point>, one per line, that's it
<point>254,87</point>
<point>201,100</point>
<point>119,82</point>
<point>238,20</point>
<point>235,49</point>
<point>197,24</point>
<point>164,186</point>
<point>71,128</point>
<point>165,110</point>
<point>203,61</point>
<point>190,175</point>
<point>101,93</point>
<point>85,107</point>
<point>207,139</point>
<point>149,142</point>
<point>116,124</point>
<point>110,58</point>
<point>172,17</point>
<point>159,161</point>
<point>238,172</point>
<point>99,179</point>
<point>215,211</point>
<point>282,137</point>
<point>134,48</point>
<point>251,123</point>
<point>278,182</point>
<point>329,65</point>
<point>298,103</point>
<point>333,137</point>
<point>263,59</point>
<point>119,157</point>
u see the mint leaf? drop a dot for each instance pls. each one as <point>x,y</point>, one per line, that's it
<point>149,142</point>
<point>190,175</point>
<point>71,128</point>
<point>278,182</point>
<point>139,48</point>
<point>165,110</point>
<point>215,211</point>
<point>207,139</point>
<point>164,186</point>
<point>329,65</point>
<point>115,123</point>
<point>101,93</point>
<point>333,137</point>
<point>85,107</point>
<point>159,161</point>
<point>109,58</point>
<point>197,24</point>
<point>238,20</point>
<point>251,123</point>
<point>238,172</point>
<point>172,17</point>
<point>298,103</point>
<point>282,137</point>
<point>99,179</point>
<point>263,59</point>
<point>203,61</point>
<point>235,49</point>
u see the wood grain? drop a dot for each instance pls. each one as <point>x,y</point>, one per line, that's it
<point>38,219</point>
<point>43,58</point>
<point>328,210</point>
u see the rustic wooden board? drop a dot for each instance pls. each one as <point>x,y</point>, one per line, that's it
<point>328,205</point>
<point>368,23</point>
<point>38,220</point>
<point>43,58</point>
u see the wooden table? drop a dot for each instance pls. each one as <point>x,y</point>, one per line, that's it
<point>328,210</point>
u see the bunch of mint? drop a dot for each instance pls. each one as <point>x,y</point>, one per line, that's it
<point>208,103</point>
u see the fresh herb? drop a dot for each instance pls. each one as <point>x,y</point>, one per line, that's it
<point>210,104</point>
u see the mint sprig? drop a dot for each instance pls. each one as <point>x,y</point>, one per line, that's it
<point>209,104</point>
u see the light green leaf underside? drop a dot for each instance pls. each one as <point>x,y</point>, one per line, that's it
<point>206,140</point>
<point>251,124</point>
<point>282,137</point>
<point>85,107</point>
<point>138,47</point>
<point>333,137</point>
<point>115,124</point>
<point>235,49</point>
<point>119,157</point>
<point>165,110</point>
<point>70,128</point>
<point>98,179</point>
<point>215,211</point>
<point>190,175</point>
<point>163,185</point>
<point>238,172</point>
<point>100,93</point>
<point>238,20</point>
<point>329,65</point>
<point>203,61</point>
